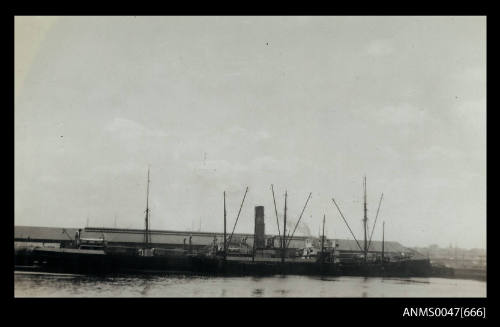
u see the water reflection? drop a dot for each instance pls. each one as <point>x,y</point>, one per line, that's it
<point>36,285</point>
<point>146,286</point>
<point>282,292</point>
<point>258,292</point>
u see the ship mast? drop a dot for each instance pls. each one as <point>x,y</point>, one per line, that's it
<point>323,240</point>
<point>383,239</point>
<point>283,239</point>
<point>224,225</point>
<point>146,234</point>
<point>365,220</point>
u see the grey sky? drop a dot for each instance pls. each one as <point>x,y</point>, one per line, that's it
<point>310,104</point>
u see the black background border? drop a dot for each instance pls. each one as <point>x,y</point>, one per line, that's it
<point>262,311</point>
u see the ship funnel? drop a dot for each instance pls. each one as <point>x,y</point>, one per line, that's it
<point>259,228</point>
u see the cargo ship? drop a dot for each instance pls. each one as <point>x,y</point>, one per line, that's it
<point>271,256</point>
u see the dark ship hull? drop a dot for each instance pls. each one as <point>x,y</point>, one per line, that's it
<point>94,256</point>
<point>99,262</point>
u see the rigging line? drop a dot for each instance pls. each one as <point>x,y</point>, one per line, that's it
<point>276,211</point>
<point>64,231</point>
<point>244,196</point>
<point>375,222</point>
<point>347,224</point>
<point>297,224</point>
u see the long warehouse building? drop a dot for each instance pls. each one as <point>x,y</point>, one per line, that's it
<point>177,239</point>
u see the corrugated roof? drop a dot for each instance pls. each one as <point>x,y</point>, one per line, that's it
<point>44,233</point>
<point>350,245</point>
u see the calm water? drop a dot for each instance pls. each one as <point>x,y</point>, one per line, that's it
<point>46,285</point>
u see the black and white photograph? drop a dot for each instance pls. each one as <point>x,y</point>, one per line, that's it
<point>250,157</point>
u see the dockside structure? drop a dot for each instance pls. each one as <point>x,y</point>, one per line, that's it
<point>134,238</point>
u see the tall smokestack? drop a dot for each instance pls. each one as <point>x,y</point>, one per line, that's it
<point>259,228</point>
